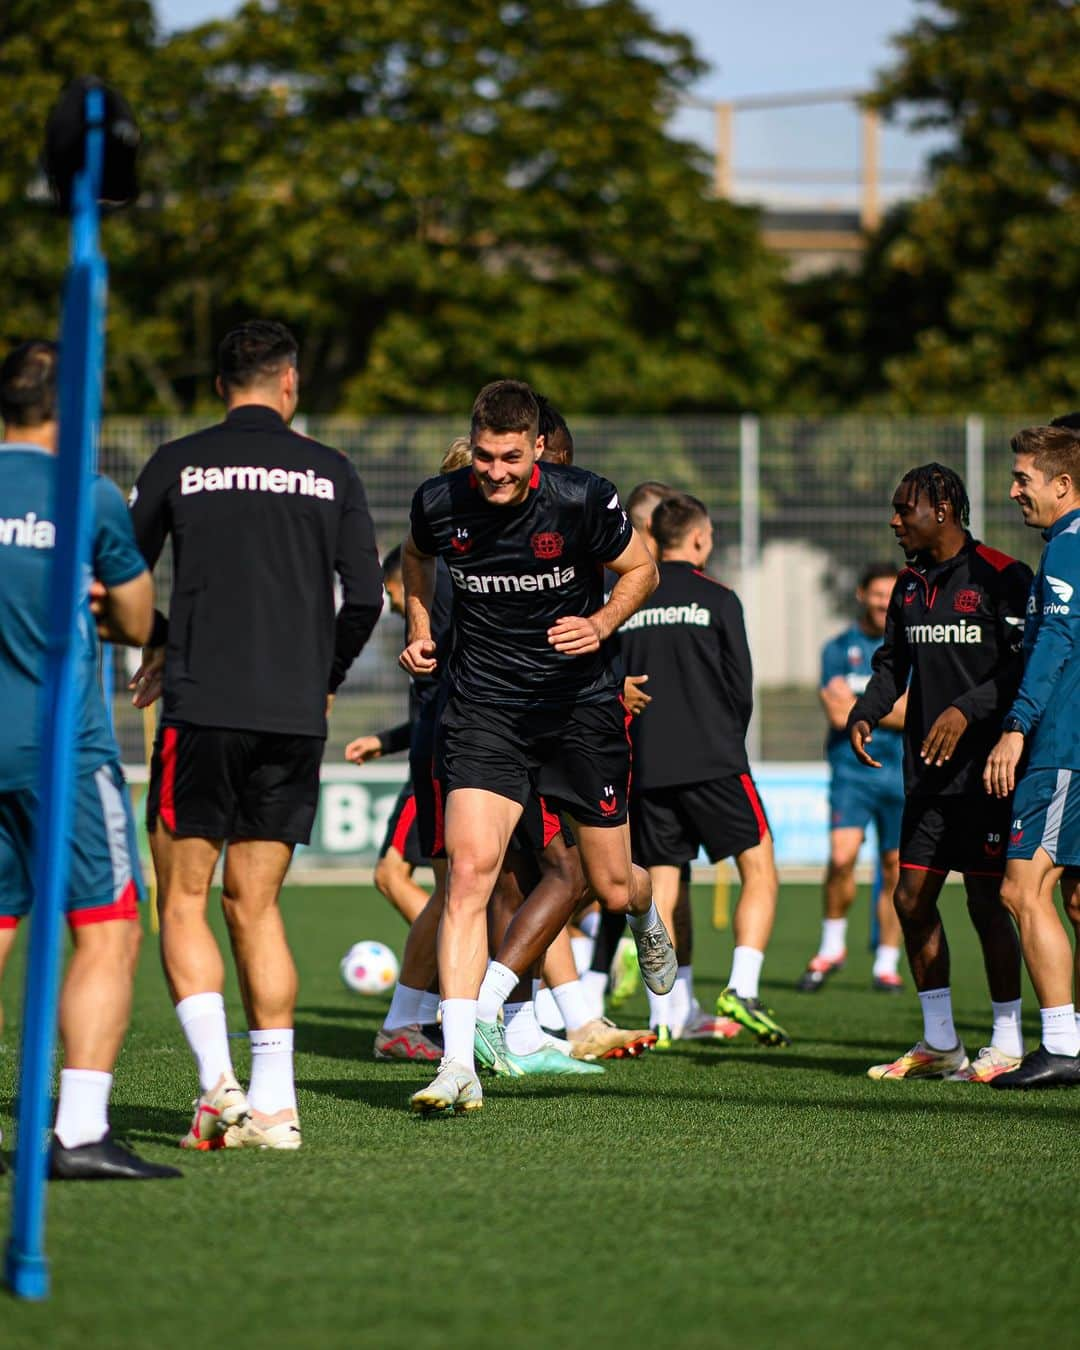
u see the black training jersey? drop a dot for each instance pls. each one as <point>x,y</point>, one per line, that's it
<point>690,640</point>
<point>261,519</point>
<point>957,630</point>
<point>515,571</point>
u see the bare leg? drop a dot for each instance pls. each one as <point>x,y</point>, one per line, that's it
<point>1001,950</point>
<point>756,911</point>
<point>394,881</point>
<point>189,952</point>
<point>1028,898</point>
<point>254,872</point>
<point>1070,893</point>
<point>420,963</point>
<point>95,1002</point>
<point>844,845</point>
<point>665,891</point>
<point>889,934</point>
<point>7,942</point>
<point>920,921</point>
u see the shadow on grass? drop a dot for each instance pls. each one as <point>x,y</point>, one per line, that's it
<point>334,1040</point>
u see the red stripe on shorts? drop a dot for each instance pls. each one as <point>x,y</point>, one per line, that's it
<point>918,867</point>
<point>439,842</point>
<point>9,921</point>
<point>755,802</point>
<point>125,906</point>
<point>551,822</point>
<point>404,825</point>
<point>166,804</point>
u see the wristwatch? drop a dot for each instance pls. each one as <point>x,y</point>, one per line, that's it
<point>1013,724</point>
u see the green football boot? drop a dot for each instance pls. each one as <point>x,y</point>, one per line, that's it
<point>549,1061</point>
<point>625,974</point>
<point>489,1046</point>
<point>752,1014</point>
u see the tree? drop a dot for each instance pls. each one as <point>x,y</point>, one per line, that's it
<point>970,297</point>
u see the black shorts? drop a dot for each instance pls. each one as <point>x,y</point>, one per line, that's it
<point>401,833</point>
<point>577,758</point>
<point>212,783</point>
<point>538,826</point>
<point>669,825</point>
<point>956,834</point>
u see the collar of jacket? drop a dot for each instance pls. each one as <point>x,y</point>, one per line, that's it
<point>1061,524</point>
<point>254,415</point>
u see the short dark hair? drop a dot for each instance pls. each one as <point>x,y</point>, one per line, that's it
<point>391,564</point>
<point>650,490</point>
<point>558,442</point>
<point>941,485</point>
<point>255,351</point>
<point>28,394</point>
<point>1070,420</point>
<point>876,571</point>
<point>675,517</point>
<point>1055,450</point>
<point>506,405</point>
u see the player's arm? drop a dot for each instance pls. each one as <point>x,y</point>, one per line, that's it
<point>1057,642</point>
<point>735,660</point>
<point>151,520</point>
<point>357,564</point>
<point>894,721</point>
<point>382,743</point>
<point>835,694</point>
<point>891,669</point>
<point>418,577</point>
<point>636,579</point>
<point>122,592</point>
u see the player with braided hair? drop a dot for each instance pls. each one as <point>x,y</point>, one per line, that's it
<point>954,625</point>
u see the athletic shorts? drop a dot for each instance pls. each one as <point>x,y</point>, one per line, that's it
<point>538,826</point>
<point>724,816</point>
<point>104,881</point>
<point>213,783</point>
<point>856,801</point>
<point>955,834</point>
<point>1046,815</point>
<point>401,829</point>
<point>577,758</point>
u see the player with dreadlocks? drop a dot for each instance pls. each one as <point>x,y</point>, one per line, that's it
<point>954,627</point>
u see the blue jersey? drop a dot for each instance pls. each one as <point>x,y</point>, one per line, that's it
<point>27,535</point>
<point>1048,703</point>
<point>850,654</point>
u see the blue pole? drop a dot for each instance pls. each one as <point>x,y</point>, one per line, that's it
<point>81,366</point>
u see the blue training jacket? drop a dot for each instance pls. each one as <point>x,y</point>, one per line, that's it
<point>1048,703</point>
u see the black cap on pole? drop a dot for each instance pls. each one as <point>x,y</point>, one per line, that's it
<point>65,143</point>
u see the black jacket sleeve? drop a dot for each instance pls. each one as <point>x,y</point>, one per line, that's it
<point>735,660</point>
<point>990,701</point>
<point>891,666</point>
<point>357,564</point>
<point>151,520</point>
<point>396,738</point>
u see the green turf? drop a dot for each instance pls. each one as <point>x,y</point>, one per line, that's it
<point>729,1195</point>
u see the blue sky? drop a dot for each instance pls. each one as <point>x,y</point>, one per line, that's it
<point>766,47</point>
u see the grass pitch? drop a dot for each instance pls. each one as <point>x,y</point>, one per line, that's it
<point>728,1194</point>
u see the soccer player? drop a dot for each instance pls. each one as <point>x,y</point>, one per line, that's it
<point>261,519</point>
<point>95,1002</point>
<point>533,703</point>
<point>692,783</point>
<point>953,627</point>
<point>1043,728</point>
<point>857,794</point>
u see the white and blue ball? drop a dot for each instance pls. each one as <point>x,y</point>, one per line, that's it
<point>369,968</point>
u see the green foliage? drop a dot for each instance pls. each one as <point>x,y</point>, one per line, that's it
<point>431,195</point>
<point>970,297</point>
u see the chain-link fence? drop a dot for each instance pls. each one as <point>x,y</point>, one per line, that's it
<point>800,505</point>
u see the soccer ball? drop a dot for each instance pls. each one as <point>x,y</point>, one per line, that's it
<point>369,968</point>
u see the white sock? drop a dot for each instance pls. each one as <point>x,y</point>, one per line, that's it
<point>499,983</point>
<point>639,922</point>
<point>594,985</point>
<point>746,963</point>
<point>938,1030</point>
<point>833,938</point>
<point>590,923</point>
<point>459,1030</point>
<point>683,996</point>
<point>886,960</point>
<point>428,1012</point>
<point>571,1003</point>
<point>547,1010</point>
<point>583,950</point>
<point>272,1088</point>
<point>523,1034</point>
<point>82,1113</point>
<point>1006,1035</point>
<point>661,1008</point>
<point>202,1017</point>
<point>1059,1031</point>
<point>404,1007</point>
